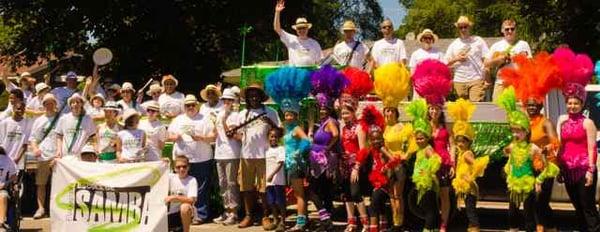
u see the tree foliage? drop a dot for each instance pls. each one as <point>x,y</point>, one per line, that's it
<point>194,40</point>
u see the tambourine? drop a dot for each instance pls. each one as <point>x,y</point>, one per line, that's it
<point>102,56</point>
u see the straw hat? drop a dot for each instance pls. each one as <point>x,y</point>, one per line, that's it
<point>39,87</point>
<point>204,92</point>
<point>229,94</point>
<point>48,97</point>
<point>190,99</point>
<point>130,113</point>
<point>98,96</point>
<point>75,96</point>
<point>153,89</point>
<point>24,76</point>
<point>301,23</point>
<point>258,87</point>
<point>169,77</point>
<point>427,32</point>
<point>152,105</point>
<point>463,20</point>
<point>112,105</point>
<point>127,86</point>
<point>349,26</point>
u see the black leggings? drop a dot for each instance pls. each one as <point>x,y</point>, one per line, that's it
<point>321,192</point>
<point>427,209</point>
<point>378,199</point>
<point>514,215</point>
<point>471,210</point>
<point>543,213</point>
<point>583,200</point>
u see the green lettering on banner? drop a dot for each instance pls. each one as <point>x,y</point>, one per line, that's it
<point>131,216</point>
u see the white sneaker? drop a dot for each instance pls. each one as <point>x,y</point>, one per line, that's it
<point>231,220</point>
<point>39,213</point>
<point>220,219</point>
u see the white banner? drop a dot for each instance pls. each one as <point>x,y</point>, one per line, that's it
<point>109,197</point>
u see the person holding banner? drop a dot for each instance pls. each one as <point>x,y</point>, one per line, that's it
<point>302,50</point>
<point>43,145</point>
<point>192,134</point>
<point>131,141</point>
<point>74,129</point>
<point>8,174</point>
<point>183,190</point>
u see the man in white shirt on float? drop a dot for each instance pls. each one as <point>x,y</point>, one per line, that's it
<point>389,49</point>
<point>302,50</point>
<point>350,52</point>
<point>501,52</point>
<point>465,57</point>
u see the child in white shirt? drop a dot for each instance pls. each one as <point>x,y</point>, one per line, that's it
<point>275,158</point>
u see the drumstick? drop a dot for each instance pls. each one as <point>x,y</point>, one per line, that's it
<point>145,86</point>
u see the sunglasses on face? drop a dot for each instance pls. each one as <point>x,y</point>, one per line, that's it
<point>151,111</point>
<point>509,29</point>
<point>181,167</point>
<point>463,27</point>
<point>190,105</point>
<point>427,38</point>
<point>386,27</point>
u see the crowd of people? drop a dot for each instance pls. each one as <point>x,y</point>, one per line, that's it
<point>343,148</point>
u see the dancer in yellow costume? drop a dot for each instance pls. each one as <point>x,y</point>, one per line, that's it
<point>468,168</point>
<point>392,84</point>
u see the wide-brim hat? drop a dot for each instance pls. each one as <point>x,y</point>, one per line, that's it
<point>427,32</point>
<point>190,99</point>
<point>349,26</point>
<point>229,94</point>
<point>255,86</point>
<point>75,96</point>
<point>204,92</point>
<point>127,86</point>
<point>154,88</point>
<point>167,78</point>
<point>130,113</point>
<point>39,87</point>
<point>301,23</point>
<point>152,105</point>
<point>98,96</point>
<point>112,105</point>
<point>48,97</point>
<point>24,76</point>
<point>463,20</point>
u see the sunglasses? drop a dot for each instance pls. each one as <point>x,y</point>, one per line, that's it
<point>190,105</point>
<point>151,111</point>
<point>463,27</point>
<point>509,29</point>
<point>181,167</point>
<point>427,38</point>
<point>386,27</point>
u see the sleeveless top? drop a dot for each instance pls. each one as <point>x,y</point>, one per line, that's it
<point>519,170</point>
<point>322,160</point>
<point>441,146</point>
<point>350,146</point>
<point>296,151</point>
<point>573,155</point>
<point>538,132</point>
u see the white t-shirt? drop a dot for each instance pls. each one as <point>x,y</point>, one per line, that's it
<point>62,94</point>
<point>421,54</point>
<point>472,68</point>
<point>93,111</point>
<point>274,156</point>
<point>301,52</point>
<point>388,51</point>
<point>107,136</point>
<point>67,128</point>
<point>225,147</point>
<point>171,103</point>
<point>196,151</point>
<point>156,133</point>
<point>13,136</point>
<point>503,46</point>
<point>211,111</point>
<point>342,51</point>
<point>48,144</point>
<point>7,169</point>
<point>132,146</point>
<point>255,135</point>
<point>35,104</point>
<point>186,187</point>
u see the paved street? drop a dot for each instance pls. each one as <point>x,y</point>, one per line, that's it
<point>493,217</point>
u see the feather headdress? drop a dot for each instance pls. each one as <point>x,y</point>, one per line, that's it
<point>360,84</point>
<point>392,83</point>
<point>417,110</point>
<point>371,119</point>
<point>432,80</point>
<point>461,111</point>
<point>508,101</point>
<point>532,78</point>
<point>575,70</point>
<point>327,84</point>
<point>287,86</point>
